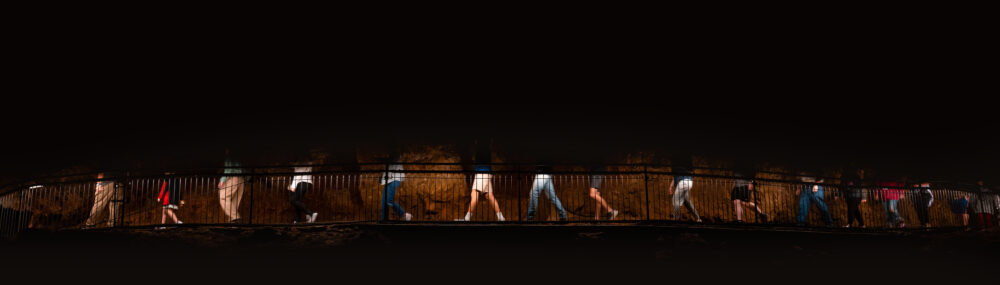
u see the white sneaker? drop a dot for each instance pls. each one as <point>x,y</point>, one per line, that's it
<point>312,218</point>
<point>500,217</point>
<point>407,217</point>
<point>179,222</point>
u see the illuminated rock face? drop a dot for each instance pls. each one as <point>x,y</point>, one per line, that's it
<point>356,195</point>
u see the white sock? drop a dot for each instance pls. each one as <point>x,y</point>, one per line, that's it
<point>499,216</point>
<point>467,215</point>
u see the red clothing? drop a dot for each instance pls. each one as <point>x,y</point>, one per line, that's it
<point>983,221</point>
<point>890,190</point>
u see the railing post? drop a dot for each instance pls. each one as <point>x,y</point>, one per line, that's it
<point>118,200</point>
<point>645,174</point>
<point>385,196</point>
<point>250,179</point>
<point>517,171</point>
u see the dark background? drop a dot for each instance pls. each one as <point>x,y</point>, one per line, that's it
<point>905,101</point>
<point>893,89</point>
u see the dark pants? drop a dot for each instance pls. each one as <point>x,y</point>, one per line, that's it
<point>854,211</point>
<point>296,199</point>
<point>920,204</point>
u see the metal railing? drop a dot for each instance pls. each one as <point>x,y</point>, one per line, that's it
<point>441,193</point>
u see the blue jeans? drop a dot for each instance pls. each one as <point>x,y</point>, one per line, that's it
<point>389,199</point>
<point>808,197</point>
<point>892,213</point>
<point>544,182</point>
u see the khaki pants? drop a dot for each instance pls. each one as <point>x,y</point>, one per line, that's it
<point>110,199</point>
<point>230,195</point>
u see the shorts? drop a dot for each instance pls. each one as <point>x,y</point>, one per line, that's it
<point>482,182</point>
<point>596,181</point>
<point>959,206</point>
<point>684,185</point>
<point>741,193</point>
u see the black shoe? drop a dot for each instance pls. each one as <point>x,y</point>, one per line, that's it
<point>762,217</point>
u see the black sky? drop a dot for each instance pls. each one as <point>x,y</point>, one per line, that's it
<point>805,101</point>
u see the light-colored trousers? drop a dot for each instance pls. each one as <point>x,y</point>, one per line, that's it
<point>682,198</point>
<point>230,195</point>
<point>109,199</point>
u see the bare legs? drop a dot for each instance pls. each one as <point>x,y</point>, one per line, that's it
<point>168,212</point>
<point>596,195</point>
<point>738,205</point>
<point>490,198</point>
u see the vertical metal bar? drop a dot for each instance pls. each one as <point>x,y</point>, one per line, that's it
<point>645,175</point>
<point>250,180</point>
<point>385,195</point>
<point>517,172</point>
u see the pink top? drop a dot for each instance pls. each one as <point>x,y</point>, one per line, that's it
<point>890,190</point>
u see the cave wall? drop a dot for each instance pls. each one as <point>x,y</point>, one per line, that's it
<point>352,193</point>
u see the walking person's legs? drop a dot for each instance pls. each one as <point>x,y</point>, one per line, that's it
<point>596,195</point>
<point>224,198</point>
<point>892,217</point>
<point>920,205</point>
<point>596,182</point>
<point>295,200</point>
<point>817,199</point>
<point>483,186</point>
<point>237,196</point>
<point>229,197</point>
<point>115,205</point>
<point>897,218</point>
<point>472,204</point>
<point>738,209</point>
<point>100,203</point>
<point>686,200</point>
<point>297,197</point>
<point>854,212</point>
<point>804,200</point>
<point>550,191</point>
<point>173,216</point>
<point>677,201</point>
<point>391,199</point>
<point>888,214</point>
<point>536,189</point>
<point>496,206</point>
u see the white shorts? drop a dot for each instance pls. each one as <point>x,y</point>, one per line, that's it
<point>684,185</point>
<point>483,183</point>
